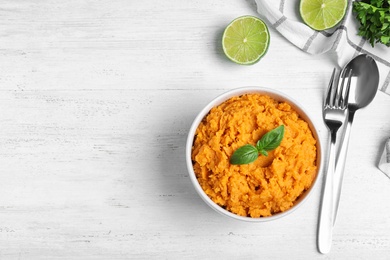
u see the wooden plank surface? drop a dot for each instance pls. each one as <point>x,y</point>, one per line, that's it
<point>96,99</point>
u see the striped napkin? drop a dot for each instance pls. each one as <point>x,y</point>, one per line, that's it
<point>384,163</point>
<point>342,41</point>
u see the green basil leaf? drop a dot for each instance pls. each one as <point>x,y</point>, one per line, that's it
<point>244,155</point>
<point>271,140</point>
<point>263,152</point>
<point>249,153</point>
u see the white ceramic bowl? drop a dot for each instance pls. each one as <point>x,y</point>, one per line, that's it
<point>220,99</point>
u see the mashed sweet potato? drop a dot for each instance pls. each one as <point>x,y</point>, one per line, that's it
<point>272,183</point>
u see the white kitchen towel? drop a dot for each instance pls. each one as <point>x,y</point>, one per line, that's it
<point>384,163</point>
<point>283,15</point>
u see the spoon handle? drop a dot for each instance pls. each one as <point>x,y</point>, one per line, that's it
<point>340,164</point>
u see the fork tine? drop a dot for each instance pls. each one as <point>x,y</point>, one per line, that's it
<point>341,96</point>
<point>348,88</point>
<point>338,99</point>
<point>329,91</point>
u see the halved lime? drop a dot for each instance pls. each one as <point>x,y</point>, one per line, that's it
<point>322,14</point>
<point>245,40</point>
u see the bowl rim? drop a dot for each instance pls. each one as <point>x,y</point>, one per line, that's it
<point>277,95</point>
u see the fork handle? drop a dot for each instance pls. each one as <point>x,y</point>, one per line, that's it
<point>340,164</point>
<point>326,214</point>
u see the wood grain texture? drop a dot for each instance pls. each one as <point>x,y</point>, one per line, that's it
<point>96,99</point>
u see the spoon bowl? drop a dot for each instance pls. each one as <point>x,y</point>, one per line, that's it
<point>365,80</point>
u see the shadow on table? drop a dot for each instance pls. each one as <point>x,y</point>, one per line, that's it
<point>176,191</point>
<point>218,45</point>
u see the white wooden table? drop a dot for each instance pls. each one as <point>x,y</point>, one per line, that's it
<point>96,98</point>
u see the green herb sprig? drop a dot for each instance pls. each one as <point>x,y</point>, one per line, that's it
<point>374,18</point>
<point>249,153</point>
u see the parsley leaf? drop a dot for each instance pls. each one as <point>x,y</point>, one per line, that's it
<point>374,18</point>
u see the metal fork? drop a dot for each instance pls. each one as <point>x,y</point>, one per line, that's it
<point>334,114</point>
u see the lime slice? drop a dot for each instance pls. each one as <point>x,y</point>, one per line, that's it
<point>322,14</point>
<point>245,40</point>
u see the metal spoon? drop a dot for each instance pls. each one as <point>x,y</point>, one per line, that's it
<point>364,85</point>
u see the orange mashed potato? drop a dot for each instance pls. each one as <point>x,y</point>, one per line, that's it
<point>272,183</point>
